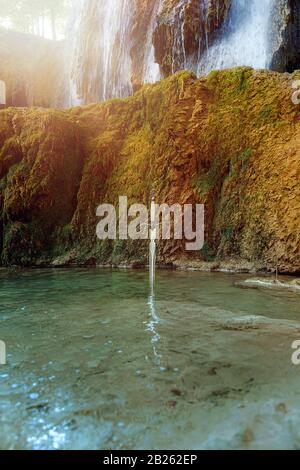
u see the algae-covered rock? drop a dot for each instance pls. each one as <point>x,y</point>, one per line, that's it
<point>40,174</point>
<point>230,141</point>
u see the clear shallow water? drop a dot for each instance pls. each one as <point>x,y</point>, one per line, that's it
<point>95,362</point>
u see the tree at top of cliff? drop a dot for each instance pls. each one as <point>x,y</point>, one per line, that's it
<point>46,18</point>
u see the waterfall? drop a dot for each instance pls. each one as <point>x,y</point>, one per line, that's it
<point>179,58</point>
<point>100,60</point>
<point>151,68</point>
<point>72,97</point>
<point>112,51</point>
<point>245,39</point>
<point>116,22</point>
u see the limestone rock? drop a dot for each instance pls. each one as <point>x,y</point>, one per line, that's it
<point>229,141</point>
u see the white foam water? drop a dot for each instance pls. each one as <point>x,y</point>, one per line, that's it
<point>117,16</point>
<point>110,50</point>
<point>151,68</point>
<point>245,40</point>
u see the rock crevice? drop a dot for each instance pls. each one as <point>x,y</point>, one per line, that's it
<point>229,141</point>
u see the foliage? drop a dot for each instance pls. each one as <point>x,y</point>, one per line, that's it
<point>33,16</point>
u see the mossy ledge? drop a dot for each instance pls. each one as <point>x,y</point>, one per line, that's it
<point>231,141</point>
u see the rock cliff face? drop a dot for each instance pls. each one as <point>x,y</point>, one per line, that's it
<point>123,44</point>
<point>286,36</point>
<point>184,30</point>
<point>32,69</point>
<point>230,141</point>
<point>117,46</point>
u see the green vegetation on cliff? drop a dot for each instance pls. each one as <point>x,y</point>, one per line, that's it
<point>231,141</point>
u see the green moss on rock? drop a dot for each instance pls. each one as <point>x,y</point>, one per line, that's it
<point>230,140</point>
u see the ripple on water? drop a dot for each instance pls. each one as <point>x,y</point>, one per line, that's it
<point>203,365</point>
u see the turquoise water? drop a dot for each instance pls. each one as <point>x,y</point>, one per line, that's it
<point>96,362</point>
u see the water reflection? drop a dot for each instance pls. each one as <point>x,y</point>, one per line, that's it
<point>190,364</point>
<point>151,326</point>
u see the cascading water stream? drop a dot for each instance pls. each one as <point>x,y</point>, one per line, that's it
<point>100,59</point>
<point>245,39</point>
<point>179,57</point>
<point>112,48</point>
<point>151,68</point>
<point>116,23</point>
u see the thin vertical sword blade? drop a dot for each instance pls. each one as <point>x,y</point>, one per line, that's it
<point>153,236</point>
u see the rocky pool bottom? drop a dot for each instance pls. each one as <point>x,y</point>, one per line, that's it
<point>96,362</point>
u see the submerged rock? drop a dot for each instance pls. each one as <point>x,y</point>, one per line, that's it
<point>265,283</point>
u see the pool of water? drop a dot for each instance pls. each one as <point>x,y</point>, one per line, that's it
<point>97,362</point>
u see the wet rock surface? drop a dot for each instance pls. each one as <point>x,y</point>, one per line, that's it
<point>266,283</point>
<point>229,141</point>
